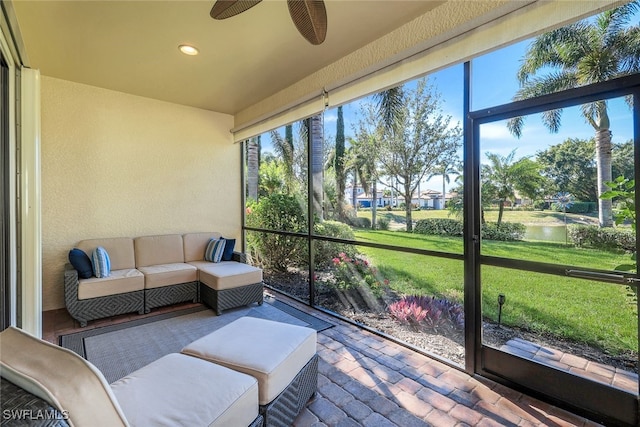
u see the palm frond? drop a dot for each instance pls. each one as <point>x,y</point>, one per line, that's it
<point>557,48</point>
<point>627,46</point>
<point>515,126</point>
<point>389,104</point>
<point>551,83</point>
<point>589,113</point>
<point>551,119</point>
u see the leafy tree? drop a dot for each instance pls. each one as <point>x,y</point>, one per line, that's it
<point>622,160</point>
<point>272,177</point>
<point>583,53</point>
<point>571,168</point>
<point>422,137</point>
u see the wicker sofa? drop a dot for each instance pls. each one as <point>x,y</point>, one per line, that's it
<point>153,271</point>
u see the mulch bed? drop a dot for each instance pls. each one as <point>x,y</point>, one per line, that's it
<point>446,343</point>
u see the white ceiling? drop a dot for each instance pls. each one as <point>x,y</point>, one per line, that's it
<point>132,46</point>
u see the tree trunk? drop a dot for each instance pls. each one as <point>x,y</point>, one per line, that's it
<point>407,209</point>
<point>354,191</point>
<point>500,211</point>
<point>374,204</point>
<point>603,164</point>
<point>253,169</point>
<point>316,142</point>
<point>444,182</point>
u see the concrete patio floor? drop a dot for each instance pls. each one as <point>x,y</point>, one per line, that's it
<point>367,380</point>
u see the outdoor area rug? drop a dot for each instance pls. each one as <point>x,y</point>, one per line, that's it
<point>118,350</point>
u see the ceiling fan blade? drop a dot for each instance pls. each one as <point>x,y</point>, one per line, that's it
<point>224,9</point>
<point>310,18</point>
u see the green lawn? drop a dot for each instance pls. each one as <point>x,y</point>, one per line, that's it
<point>595,313</point>
<point>546,217</point>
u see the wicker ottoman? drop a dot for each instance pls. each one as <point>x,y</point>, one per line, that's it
<point>229,284</point>
<point>178,390</point>
<point>282,357</point>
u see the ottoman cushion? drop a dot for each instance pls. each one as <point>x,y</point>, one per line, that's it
<point>178,390</point>
<point>272,352</point>
<point>227,274</point>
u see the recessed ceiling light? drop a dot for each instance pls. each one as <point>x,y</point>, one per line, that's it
<point>188,50</point>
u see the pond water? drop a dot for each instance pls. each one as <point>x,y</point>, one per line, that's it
<point>549,233</point>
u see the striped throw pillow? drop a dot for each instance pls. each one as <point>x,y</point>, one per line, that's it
<point>101,262</point>
<point>214,250</point>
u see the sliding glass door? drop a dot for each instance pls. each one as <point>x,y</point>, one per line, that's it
<point>557,292</point>
<point>5,305</point>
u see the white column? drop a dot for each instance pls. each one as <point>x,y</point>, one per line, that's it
<point>30,197</point>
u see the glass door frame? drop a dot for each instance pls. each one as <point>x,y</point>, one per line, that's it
<point>593,399</point>
<point>5,213</point>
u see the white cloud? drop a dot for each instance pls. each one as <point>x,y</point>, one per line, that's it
<point>495,131</point>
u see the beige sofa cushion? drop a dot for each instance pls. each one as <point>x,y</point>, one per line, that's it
<point>119,282</point>
<point>272,352</point>
<point>120,250</point>
<point>182,390</point>
<point>61,377</point>
<point>156,250</point>
<point>156,276</point>
<point>227,274</point>
<point>196,243</point>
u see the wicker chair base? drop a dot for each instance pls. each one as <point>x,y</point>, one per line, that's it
<point>231,298</point>
<point>167,295</point>
<point>258,422</point>
<point>17,404</point>
<point>84,310</point>
<point>283,410</point>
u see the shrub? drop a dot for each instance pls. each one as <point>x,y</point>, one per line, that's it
<point>575,207</point>
<point>351,271</point>
<point>439,226</point>
<point>428,312</point>
<point>507,231</point>
<point>607,238</point>
<point>277,212</point>
<point>361,222</point>
<point>325,251</point>
<point>383,223</point>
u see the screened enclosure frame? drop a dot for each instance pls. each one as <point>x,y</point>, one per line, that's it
<point>472,257</point>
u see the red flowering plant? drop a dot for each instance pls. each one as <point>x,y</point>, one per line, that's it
<point>428,312</point>
<point>350,272</point>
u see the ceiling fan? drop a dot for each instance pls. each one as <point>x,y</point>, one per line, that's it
<point>309,16</point>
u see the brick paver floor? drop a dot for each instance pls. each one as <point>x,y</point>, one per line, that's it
<point>616,377</point>
<point>367,380</point>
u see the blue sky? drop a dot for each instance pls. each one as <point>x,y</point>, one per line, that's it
<point>494,82</point>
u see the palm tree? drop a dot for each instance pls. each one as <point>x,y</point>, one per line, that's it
<point>583,53</point>
<point>449,166</point>
<point>284,150</point>
<point>498,178</point>
<point>316,145</point>
<point>253,167</point>
<point>338,164</point>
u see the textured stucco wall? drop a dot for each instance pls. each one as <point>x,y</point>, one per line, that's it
<point>114,165</point>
